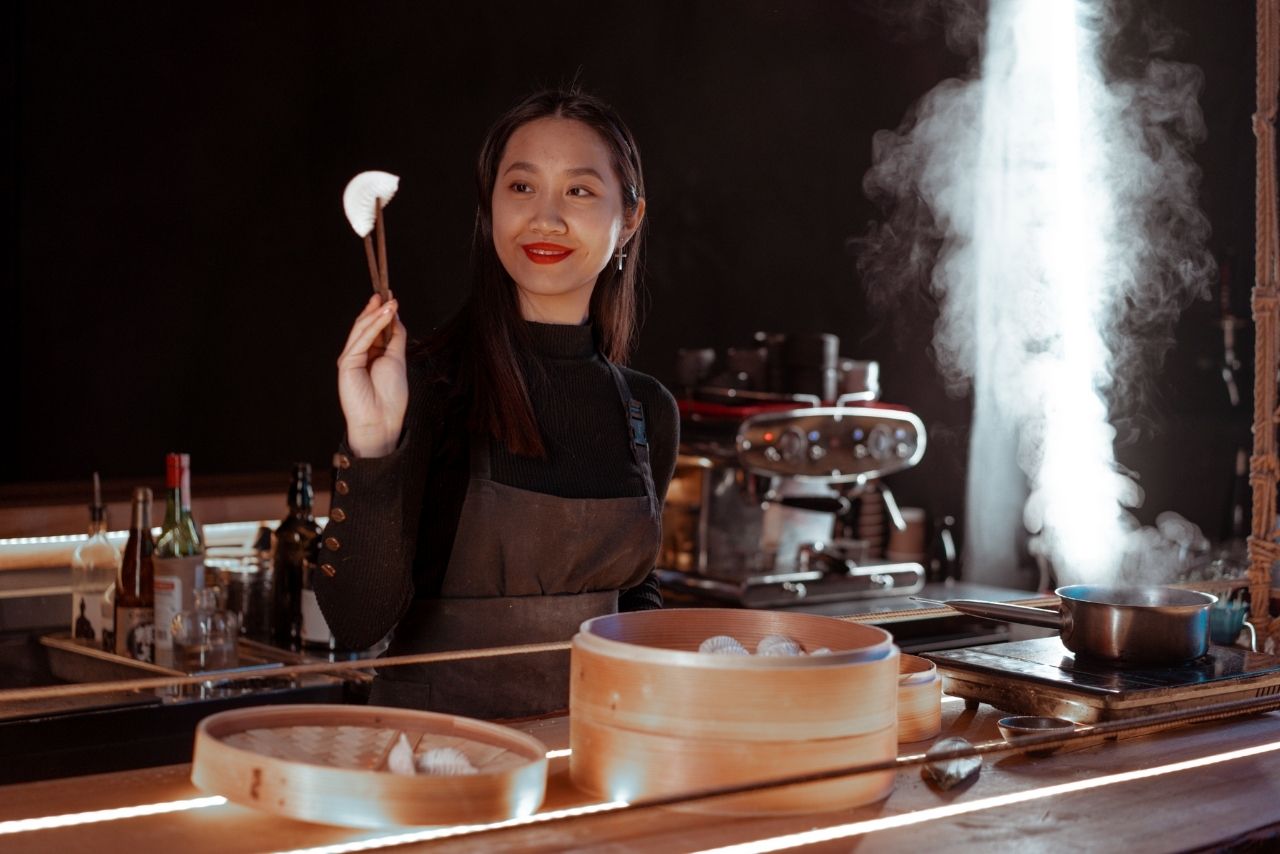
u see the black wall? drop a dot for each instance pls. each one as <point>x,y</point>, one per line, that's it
<point>184,276</point>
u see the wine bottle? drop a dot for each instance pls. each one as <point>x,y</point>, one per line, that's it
<point>93,569</point>
<point>135,591</point>
<point>259,601</point>
<point>296,546</point>
<point>179,560</point>
<point>186,500</point>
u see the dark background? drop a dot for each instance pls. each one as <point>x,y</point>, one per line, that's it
<point>184,276</point>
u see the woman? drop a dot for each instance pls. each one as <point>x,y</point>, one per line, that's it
<point>503,482</point>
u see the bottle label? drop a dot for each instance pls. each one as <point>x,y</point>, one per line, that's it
<point>168,606</point>
<point>86,615</point>
<point>135,633</point>
<point>176,581</point>
<point>314,627</point>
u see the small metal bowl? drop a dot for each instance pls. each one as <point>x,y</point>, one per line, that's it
<point>1025,725</point>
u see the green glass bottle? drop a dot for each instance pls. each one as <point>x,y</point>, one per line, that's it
<point>179,561</point>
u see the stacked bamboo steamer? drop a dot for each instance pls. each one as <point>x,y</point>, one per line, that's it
<point>650,716</point>
<point>919,699</point>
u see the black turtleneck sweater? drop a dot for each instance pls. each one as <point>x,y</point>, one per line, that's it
<point>393,518</point>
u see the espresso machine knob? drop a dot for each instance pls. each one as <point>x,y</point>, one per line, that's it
<point>792,445</point>
<point>881,442</point>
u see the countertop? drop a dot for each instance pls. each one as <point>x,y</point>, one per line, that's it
<point>1184,789</point>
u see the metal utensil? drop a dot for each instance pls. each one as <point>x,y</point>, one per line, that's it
<point>1132,625</point>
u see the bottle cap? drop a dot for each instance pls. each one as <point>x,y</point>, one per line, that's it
<point>97,512</point>
<point>172,471</point>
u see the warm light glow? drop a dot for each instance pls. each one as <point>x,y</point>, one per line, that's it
<point>217,533</point>
<point>24,825</point>
<point>859,828</point>
<point>557,754</point>
<point>414,836</point>
<point>62,539</point>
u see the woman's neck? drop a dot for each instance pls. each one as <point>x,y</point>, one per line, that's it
<point>570,309</point>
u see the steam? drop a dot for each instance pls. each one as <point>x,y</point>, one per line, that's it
<point>1048,203</point>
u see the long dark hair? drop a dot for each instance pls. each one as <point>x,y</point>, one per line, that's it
<point>478,347</point>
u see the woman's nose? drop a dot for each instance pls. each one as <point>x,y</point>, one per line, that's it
<point>547,218</point>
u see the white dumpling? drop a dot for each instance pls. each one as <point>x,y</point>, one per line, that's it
<point>446,762</point>
<point>778,645</point>
<point>361,196</point>
<point>400,759</point>
<point>722,645</point>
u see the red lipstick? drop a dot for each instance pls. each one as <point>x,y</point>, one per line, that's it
<point>546,253</point>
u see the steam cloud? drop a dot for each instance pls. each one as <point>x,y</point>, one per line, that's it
<point>1048,203</point>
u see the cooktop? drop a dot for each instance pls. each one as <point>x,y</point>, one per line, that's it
<point>1042,677</point>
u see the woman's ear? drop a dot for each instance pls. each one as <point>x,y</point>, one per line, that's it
<point>632,223</point>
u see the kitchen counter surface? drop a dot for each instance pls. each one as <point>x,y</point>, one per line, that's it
<point>1185,789</point>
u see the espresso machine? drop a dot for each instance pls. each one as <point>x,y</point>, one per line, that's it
<point>778,494</point>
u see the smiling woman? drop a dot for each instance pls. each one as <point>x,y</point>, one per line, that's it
<point>557,219</point>
<point>502,480</point>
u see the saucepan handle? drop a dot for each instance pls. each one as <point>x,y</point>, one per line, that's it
<point>1007,613</point>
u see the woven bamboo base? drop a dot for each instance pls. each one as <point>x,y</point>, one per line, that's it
<point>325,764</point>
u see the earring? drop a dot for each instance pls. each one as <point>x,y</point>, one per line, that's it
<point>620,256</point>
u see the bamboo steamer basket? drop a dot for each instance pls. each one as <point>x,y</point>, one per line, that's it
<point>651,716</point>
<point>919,699</point>
<point>324,763</point>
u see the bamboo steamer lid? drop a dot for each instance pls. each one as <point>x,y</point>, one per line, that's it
<point>649,715</point>
<point>317,763</point>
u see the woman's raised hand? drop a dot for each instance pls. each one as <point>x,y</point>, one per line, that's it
<point>372,382</point>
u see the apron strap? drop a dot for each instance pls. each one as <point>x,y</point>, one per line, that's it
<point>633,412</point>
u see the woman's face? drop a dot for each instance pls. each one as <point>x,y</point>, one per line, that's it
<point>557,216</point>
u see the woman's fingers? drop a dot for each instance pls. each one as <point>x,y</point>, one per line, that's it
<point>399,338</point>
<point>364,331</point>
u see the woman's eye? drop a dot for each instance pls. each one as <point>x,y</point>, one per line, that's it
<point>580,191</point>
<point>521,187</point>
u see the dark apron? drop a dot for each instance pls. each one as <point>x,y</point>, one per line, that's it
<point>525,568</point>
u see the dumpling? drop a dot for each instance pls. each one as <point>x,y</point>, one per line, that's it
<point>446,762</point>
<point>722,645</point>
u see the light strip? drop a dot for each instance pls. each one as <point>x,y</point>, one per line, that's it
<point>858,828</point>
<point>58,540</point>
<point>416,836</point>
<point>24,825</point>
<point>219,533</point>
<point>558,754</point>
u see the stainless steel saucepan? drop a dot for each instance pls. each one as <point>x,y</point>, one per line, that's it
<point>1129,625</point>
